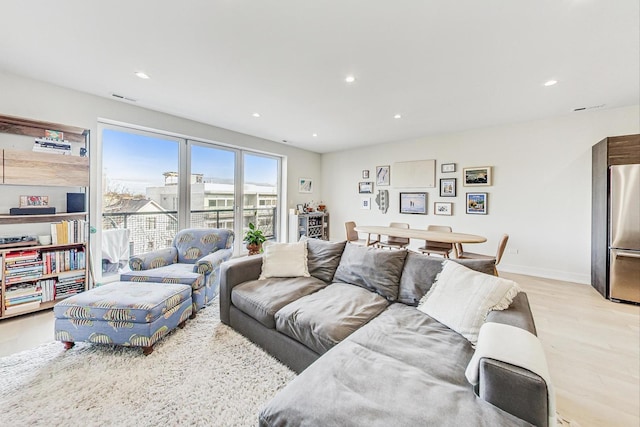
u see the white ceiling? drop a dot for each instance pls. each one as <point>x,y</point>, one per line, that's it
<point>444,65</point>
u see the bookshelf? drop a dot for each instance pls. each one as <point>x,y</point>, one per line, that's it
<point>314,225</point>
<point>44,159</point>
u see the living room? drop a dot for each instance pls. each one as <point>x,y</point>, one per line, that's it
<point>541,161</point>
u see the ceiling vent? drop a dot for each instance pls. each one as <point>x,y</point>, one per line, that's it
<point>124,98</point>
<point>593,107</point>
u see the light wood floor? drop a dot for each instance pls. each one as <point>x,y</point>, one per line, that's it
<point>592,347</point>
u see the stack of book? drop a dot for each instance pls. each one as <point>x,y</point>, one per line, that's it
<point>21,266</point>
<point>22,297</point>
<point>48,289</point>
<point>52,146</point>
<point>69,283</point>
<point>63,260</point>
<point>65,232</point>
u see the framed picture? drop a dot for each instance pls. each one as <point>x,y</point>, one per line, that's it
<point>300,208</point>
<point>305,185</point>
<point>443,208</point>
<point>448,187</point>
<point>365,187</point>
<point>477,203</point>
<point>365,174</point>
<point>34,201</point>
<point>447,167</point>
<point>477,176</point>
<point>365,203</point>
<point>413,203</point>
<point>383,175</point>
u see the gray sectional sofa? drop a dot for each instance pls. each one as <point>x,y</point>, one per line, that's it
<point>366,355</point>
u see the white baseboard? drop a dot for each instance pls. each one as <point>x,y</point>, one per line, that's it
<point>566,276</point>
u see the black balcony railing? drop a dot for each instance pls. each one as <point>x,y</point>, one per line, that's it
<point>156,230</point>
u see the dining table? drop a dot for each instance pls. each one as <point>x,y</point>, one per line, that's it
<point>414,233</point>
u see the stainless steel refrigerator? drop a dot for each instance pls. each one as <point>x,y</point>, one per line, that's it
<point>624,233</point>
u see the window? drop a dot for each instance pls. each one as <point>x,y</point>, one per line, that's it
<point>155,185</point>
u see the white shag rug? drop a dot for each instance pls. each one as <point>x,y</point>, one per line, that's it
<point>203,375</point>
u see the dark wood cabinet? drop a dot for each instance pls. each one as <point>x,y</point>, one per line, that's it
<point>616,150</point>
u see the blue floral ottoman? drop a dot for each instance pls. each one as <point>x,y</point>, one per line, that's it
<point>126,313</point>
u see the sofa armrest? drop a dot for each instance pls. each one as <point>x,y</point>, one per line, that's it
<point>515,390</point>
<point>210,262</point>
<point>154,259</point>
<point>235,272</point>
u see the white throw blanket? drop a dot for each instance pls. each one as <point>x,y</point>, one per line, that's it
<point>516,346</point>
<point>115,245</point>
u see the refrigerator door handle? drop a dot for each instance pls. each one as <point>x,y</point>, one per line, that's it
<point>627,255</point>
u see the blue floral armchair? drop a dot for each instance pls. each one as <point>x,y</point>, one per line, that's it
<point>193,259</point>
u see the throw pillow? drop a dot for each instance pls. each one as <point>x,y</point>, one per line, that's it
<point>420,271</point>
<point>377,270</point>
<point>461,298</point>
<point>284,260</point>
<point>323,257</point>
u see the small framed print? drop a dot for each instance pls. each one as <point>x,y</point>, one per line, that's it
<point>305,185</point>
<point>447,167</point>
<point>477,203</point>
<point>365,203</point>
<point>448,187</point>
<point>34,201</point>
<point>365,174</point>
<point>413,203</point>
<point>300,208</point>
<point>443,208</point>
<point>365,187</point>
<point>383,175</point>
<point>477,176</point>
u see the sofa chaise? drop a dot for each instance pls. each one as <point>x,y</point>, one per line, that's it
<point>353,326</point>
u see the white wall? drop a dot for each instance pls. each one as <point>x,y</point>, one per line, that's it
<point>36,100</point>
<point>541,192</point>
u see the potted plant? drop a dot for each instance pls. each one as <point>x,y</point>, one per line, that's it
<point>254,239</point>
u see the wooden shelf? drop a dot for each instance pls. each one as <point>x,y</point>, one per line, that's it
<point>34,219</point>
<point>32,168</point>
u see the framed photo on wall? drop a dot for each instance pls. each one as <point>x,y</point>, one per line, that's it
<point>413,203</point>
<point>447,167</point>
<point>383,175</point>
<point>365,174</point>
<point>305,185</point>
<point>477,203</point>
<point>443,208</point>
<point>365,203</point>
<point>365,187</point>
<point>477,176</point>
<point>448,187</point>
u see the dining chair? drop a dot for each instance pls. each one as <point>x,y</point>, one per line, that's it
<point>393,242</point>
<point>352,234</point>
<point>498,256</point>
<point>439,248</point>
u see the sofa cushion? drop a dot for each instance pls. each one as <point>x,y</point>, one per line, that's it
<point>261,299</point>
<point>461,298</point>
<point>284,260</point>
<point>323,257</point>
<point>323,319</point>
<point>401,369</point>
<point>172,273</point>
<point>420,272</point>
<point>374,269</point>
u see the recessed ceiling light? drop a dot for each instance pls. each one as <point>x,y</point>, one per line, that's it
<point>314,135</point>
<point>350,79</point>
<point>550,82</point>
<point>256,114</point>
<point>142,75</point>
<point>397,116</point>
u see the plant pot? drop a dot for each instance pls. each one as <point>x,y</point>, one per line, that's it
<point>254,248</point>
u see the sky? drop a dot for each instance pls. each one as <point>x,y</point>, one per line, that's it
<point>135,162</point>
